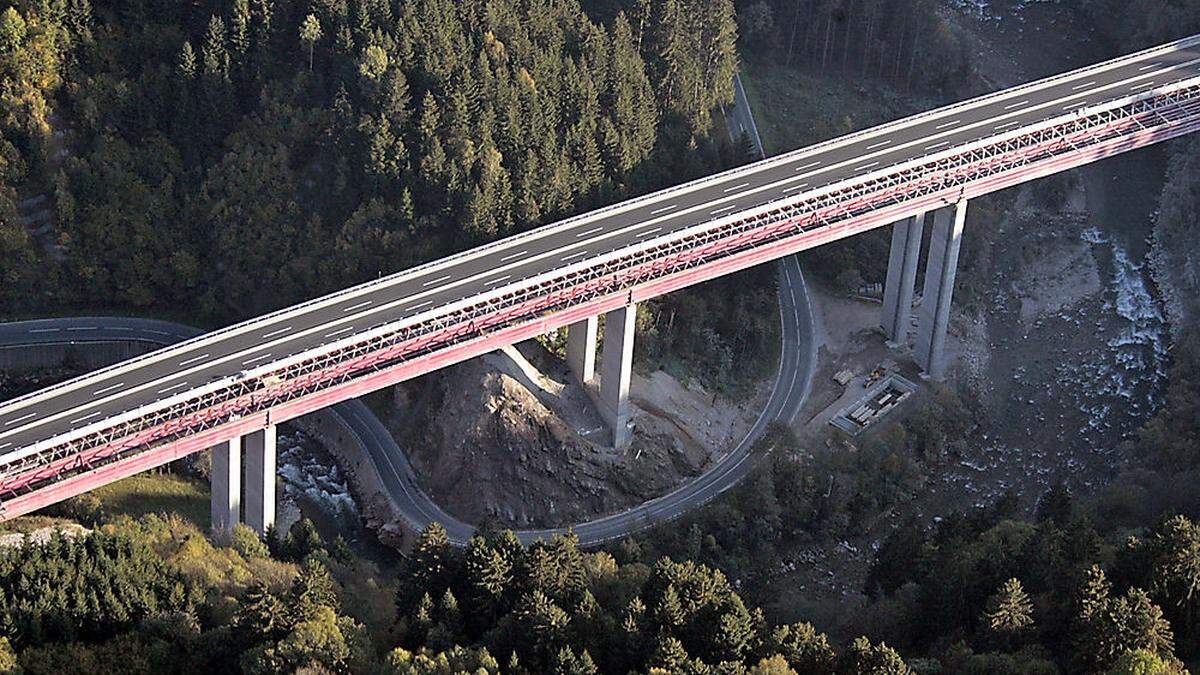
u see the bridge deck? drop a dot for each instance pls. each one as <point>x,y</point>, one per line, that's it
<point>422,294</point>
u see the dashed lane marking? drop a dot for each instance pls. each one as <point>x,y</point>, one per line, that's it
<point>193,360</point>
<point>109,388</point>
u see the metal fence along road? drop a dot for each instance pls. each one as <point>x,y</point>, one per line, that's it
<point>123,419</point>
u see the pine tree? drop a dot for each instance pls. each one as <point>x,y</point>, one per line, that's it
<point>807,651</point>
<point>239,29</point>
<point>488,575</point>
<point>669,655</point>
<point>669,612</point>
<point>566,663</point>
<point>429,565</point>
<point>261,614</point>
<point>187,61</point>
<point>1175,561</point>
<point>864,658</point>
<point>310,32</point>
<point>215,54</point>
<point>1009,612</point>
<point>312,589</point>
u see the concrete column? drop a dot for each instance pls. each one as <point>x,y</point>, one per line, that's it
<point>260,479</point>
<point>226,477</point>
<point>581,349</point>
<point>617,368</point>
<point>901,278</point>
<point>939,288</point>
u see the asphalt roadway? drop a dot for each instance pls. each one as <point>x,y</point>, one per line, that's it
<point>420,294</point>
<point>410,501</point>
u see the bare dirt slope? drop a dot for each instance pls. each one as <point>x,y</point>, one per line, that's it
<point>511,439</point>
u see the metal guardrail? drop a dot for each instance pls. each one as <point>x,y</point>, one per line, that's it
<point>603,277</point>
<point>615,208</point>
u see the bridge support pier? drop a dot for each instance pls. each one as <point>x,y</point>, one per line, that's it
<point>617,368</point>
<point>581,349</point>
<point>901,278</point>
<point>226,476</point>
<point>939,288</point>
<point>260,479</point>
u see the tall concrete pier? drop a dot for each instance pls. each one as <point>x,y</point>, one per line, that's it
<point>940,271</point>
<point>617,368</point>
<point>226,476</point>
<point>901,278</point>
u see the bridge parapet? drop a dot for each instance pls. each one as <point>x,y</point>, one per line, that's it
<point>526,307</point>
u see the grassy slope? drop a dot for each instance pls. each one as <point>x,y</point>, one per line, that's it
<point>157,493</point>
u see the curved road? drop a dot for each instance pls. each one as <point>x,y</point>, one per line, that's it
<point>792,382</point>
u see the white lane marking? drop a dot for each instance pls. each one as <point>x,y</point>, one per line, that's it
<point>19,419</point>
<point>82,328</point>
<point>85,417</point>
<point>867,166</point>
<point>173,387</point>
<point>1019,104</point>
<point>109,388</point>
<point>879,144</point>
<point>1007,125</point>
<point>765,186</point>
<point>1085,85</point>
<point>664,209</point>
<point>342,331</point>
<point>419,305</point>
<point>724,209</point>
<point>257,358</point>
<point>1144,85</point>
<point>360,305</point>
<point>5,445</point>
<point>121,328</point>
<point>649,232</point>
<point>573,256</point>
<point>948,124</point>
<point>795,187</point>
<point>736,187</point>
<point>1073,106</point>
<point>935,146</point>
<point>808,166</point>
<point>273,333</point>
<point>510,256</point>
<point>1152,65</point>
<point>585,233</point>
<point>193,360</point>
<point>44,330</point>
<point>435,281</point>
<point>498,280</point>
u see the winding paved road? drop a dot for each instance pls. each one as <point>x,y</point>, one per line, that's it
<point>422,299</point>
<point>412,503</point>
<point>792,383</point>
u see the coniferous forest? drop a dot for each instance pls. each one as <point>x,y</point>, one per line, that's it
<point>215,159</point>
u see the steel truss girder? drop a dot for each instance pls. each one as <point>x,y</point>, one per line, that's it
<point>779,220</point>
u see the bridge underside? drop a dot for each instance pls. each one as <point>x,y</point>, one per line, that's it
<point>744,243</point>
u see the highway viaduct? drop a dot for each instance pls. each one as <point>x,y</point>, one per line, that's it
<point>227,390</point>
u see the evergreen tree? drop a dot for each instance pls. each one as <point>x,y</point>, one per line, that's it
<point>312,588</point>
<point>1174,549</point>
<point>1009,611</point>
<point>310,32</point>
<point>187,61</point>
<point>261,614</point>
<point>864,658</point>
